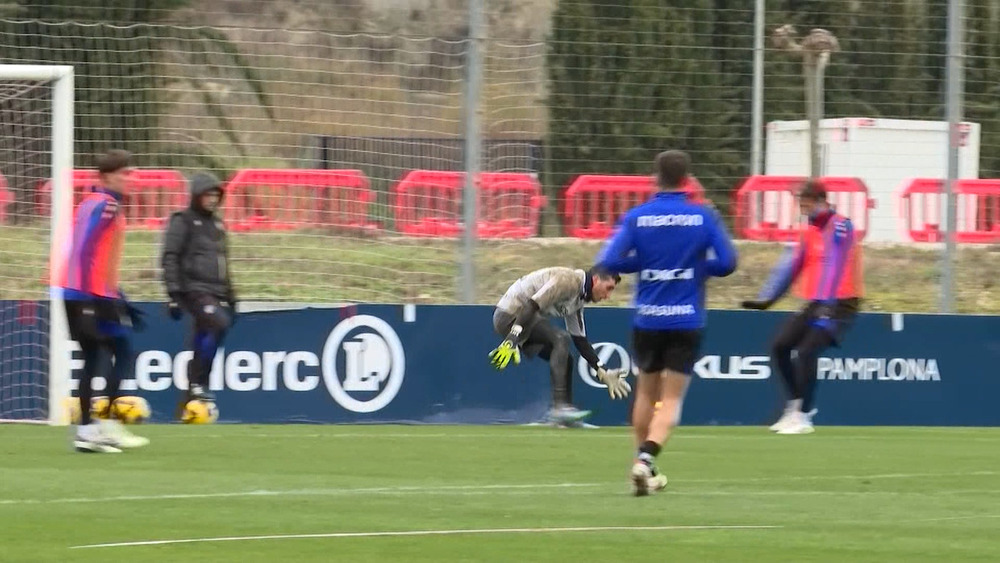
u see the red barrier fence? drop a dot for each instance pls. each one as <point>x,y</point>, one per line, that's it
<point>766,208</point>
<point>268,200</point>
<point>152,195</point>
<point>595,202</point>
<point>429,203</point>
<point>6,197</point>
<point>977,204</point>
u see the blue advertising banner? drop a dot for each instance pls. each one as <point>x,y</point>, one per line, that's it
<point>428,364</point>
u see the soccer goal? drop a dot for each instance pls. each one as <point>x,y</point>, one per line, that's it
<point>36,155</point>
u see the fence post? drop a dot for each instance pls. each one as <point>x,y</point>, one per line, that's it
<point>953,109</point>
<point>473,146</point>
<point>757,105</point>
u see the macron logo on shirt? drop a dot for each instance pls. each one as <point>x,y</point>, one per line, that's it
<point>686,220</point>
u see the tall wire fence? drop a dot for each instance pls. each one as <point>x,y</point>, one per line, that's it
<point>577,98</point>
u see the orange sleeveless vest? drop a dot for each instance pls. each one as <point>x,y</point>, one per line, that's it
<point>831,267</point>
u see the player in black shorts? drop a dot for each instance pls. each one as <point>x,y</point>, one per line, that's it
<point>669,243</point>
<point>99,317</point>
<point>657,350</point>
<point>825,266</point>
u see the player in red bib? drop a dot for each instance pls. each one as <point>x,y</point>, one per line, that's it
<point>826,268</point>
<point>99,317</point>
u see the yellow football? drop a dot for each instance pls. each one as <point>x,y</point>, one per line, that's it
<point>131,409</point>
<point>197,411</point>
<point>99,407</point>
<point>72,407</point>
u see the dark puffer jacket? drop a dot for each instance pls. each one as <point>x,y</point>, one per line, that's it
<point>195,250</point>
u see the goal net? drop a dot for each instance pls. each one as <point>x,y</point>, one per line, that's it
<point>344,180</point>
<point>36,136</point>
<point>342,152</point>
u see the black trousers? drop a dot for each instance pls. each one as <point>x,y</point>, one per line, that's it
<point>802,338</point>
<point>552,344</point>
<point>211,320</point>
<point>96,325</point>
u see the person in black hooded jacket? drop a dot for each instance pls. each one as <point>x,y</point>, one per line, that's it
<point>196,273</point>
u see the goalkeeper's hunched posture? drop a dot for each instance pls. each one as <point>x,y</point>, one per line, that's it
<point>552,292</point>
<point>196,272</point>
<point>99,316</point>
<point>827,264</point>
<point>667,241</point>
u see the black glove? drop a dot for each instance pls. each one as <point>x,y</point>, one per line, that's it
<point>137,317</point>
<point>174,307</point>
<point>756,305</point>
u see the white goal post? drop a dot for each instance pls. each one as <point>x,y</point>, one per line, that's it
<point>61,79</point>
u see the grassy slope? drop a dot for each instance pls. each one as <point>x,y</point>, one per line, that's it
<point>326,267</point>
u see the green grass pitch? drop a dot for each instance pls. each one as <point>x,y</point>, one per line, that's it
<point>842,494</point>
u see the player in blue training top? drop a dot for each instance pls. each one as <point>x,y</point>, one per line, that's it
<point>674,245</point>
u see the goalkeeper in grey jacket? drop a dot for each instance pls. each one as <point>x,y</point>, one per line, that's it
<point>521,317</point>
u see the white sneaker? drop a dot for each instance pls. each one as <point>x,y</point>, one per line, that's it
<point>640,476</point>
<point>90,438</point>
<point>801,424</point>
<point>656,483</point>
<point>783,422</point>
<point>120,436</point>
<point>788,417</point>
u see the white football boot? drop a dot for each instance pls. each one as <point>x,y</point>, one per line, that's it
<point>640,475</point>
<point>656,483</point>
<point>789,416</point>
<point>90,438</point>
<point>800,424</point>
<point>122,437</point>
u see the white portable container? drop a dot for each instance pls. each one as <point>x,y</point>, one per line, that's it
<point>886,154</point>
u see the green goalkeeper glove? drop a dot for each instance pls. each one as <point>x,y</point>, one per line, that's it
<point>618,388</point>
<point>507,350</point>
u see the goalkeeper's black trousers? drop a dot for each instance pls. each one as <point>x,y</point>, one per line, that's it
<point>540,338</point>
